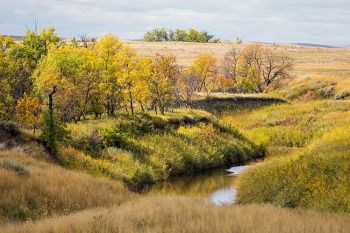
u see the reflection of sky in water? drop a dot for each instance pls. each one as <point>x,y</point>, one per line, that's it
<point>224,196</point>
<point>227,195</point>
<point>236,170</point>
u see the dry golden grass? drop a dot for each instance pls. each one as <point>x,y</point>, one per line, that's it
<point>316,63</point>
<point>175,214</point>
<point>46,189</point>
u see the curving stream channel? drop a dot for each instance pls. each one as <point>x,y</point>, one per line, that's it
<point>216,186</point>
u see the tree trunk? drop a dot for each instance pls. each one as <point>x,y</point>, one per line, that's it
<point>54,90</point>
<point>142,108</point>
<point>131,103</point>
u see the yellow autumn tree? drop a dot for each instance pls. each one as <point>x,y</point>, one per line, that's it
<point>163,80</point>
<point>142,93</point>
<point>28,112</point>
<point>127,73</point>
<point>108,51</point>
<point>206,68</point>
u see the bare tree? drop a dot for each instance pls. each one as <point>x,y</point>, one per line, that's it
<point>230,64</point>
<point>275,67</point>
<point>87,42</point>
<point>187,86</point>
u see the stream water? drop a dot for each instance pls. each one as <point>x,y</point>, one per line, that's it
<point>216,186</point>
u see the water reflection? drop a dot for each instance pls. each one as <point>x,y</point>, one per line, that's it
<point>217,186</point>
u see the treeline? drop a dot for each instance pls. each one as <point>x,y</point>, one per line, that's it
<point>190,35</point>
<point>106,77</point>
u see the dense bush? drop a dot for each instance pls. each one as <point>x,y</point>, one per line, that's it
<point>53,133</point>
<point>9,128</point>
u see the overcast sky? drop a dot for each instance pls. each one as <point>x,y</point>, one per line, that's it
<point>312,21</point>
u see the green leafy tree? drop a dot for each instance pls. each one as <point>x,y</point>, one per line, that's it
<point>157,34</point>
<point>179,35</point>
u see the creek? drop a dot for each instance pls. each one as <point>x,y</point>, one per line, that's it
<point>217,186</point>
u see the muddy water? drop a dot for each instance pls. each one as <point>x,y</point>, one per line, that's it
<point>216,186</point>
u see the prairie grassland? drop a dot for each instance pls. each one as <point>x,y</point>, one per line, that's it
<point>31,189</point>
<point>177,214</point>
<point>317,64</point>
<point>285,127</point>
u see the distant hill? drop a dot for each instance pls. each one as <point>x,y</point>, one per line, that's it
<point>16,38</point>
<point>316,45</point>
<point>19,38</point>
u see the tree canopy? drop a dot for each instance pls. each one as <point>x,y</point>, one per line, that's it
<point>92,77</point>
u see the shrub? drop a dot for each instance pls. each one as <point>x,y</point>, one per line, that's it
<point>14,166</point>
<point>53,133</point>
<point>10,128</point>
<point>141,180</point>
<point>114,138</point>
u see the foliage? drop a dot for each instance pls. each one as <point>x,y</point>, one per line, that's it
<point>257,69</point>
<point>158,34</point>
<point>28,112</point>
<point>53,133</point>
<point>205,66</point>
<point>161,82</point>
<point>190,35</point>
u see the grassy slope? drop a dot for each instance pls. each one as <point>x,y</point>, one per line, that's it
<point>312,64</point>
<point>315,173</point>
<point>148,148</point>
<point>32,187</point>
<point>171,214</point>
<point>286,127</point>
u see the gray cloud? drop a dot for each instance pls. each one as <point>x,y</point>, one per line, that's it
<point>257,20</point>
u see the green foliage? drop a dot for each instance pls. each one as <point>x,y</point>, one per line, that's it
<point>191,35</point>
<point>53,133</point>
<point>158,34</point>
<point>142,179</point>
<point>113,138</point>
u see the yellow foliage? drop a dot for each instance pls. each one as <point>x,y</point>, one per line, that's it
<point>28,112</point>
